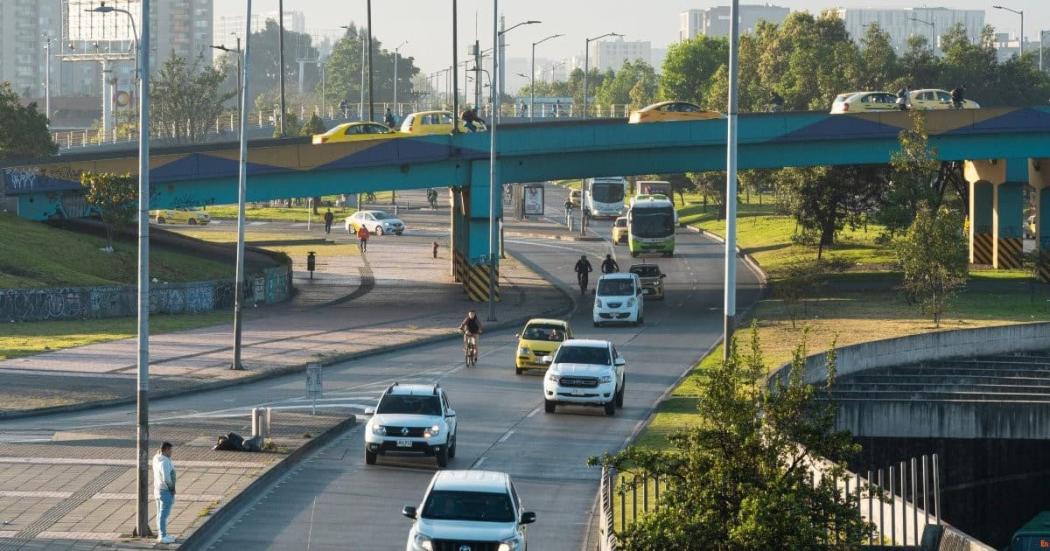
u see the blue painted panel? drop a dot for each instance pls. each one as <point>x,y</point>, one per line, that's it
<point>1020,120</point>
<point>982,207</point>
<point>1011,209</point>
<point>1017,170</point>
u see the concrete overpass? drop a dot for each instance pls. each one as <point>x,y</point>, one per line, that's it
<point>1011,140</point>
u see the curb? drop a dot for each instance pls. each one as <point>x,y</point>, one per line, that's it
<point>298,368</point>
<point>752,264</point>
<point>225,513</point>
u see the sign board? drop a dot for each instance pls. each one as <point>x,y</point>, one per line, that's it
<point>314,385</point>
<point>82,24</point>
<point>533,198</point>
<point>508,196</point>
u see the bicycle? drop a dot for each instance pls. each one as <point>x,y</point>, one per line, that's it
<point>581,278</point>
<point>470,351</point>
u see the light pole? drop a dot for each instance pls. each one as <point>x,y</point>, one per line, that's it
<point>397,54</point>
<point>237,51</point>
<point>730,254</point>
<point>142,395</point>
<point>933,29</point>
<point>371,99</point>
<point>455,64</point>
<point>107,99</point>
<point>532,76</point>
<point>586,70</point>
<point>1020,39</point>
<point>242,177</point>
<point>47,79</point>
<point>280,60</point>
<point>498,83</point>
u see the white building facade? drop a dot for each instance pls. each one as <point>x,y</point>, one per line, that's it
<point>714,22</point>
<point>900,24</point>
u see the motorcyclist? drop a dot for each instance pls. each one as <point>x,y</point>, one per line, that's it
<point>583,268</point>
<point>609,266</point>
<point>471,328</point>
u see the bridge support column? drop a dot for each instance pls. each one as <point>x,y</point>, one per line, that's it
<point>475,274</point>
<point>458,198</point>
<point>1039,178</point>
<point>996,211</point>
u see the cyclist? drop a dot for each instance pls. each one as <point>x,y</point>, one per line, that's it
<point>471,328</point>
<point>609,266</point>
<point>583,268</point>
<point>957,97</point>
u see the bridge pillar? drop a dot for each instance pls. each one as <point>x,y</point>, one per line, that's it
<point>1039,177</point>
<point>458,198</point>
<point>996,211</point>
<point>476,229</point>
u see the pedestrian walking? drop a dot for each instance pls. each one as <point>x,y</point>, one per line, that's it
<point>362,238</point>
<point>435,249</point>
<point>328,218</point>
<point>568,213</point>
<point>343,107</point>
<point>164,490</point>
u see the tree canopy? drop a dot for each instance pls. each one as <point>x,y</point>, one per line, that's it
<point>23,129</point>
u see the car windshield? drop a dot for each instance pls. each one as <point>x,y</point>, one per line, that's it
<point>646,271</point>
<point>418,405</point>
<point>621,222</point>
<point>652,222</point>
<point>607,192</point>
<point>470,506</point>
<point>380,215</point>
<point>543,333</point>
<point>583,355</point>
<point>618,287</point>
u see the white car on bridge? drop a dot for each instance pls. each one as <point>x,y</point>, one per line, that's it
<point>585,372</point>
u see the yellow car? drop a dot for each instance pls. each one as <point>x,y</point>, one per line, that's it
<point>862,102</point>
<point>432,122</point>
<point>931,99</point>
<point>355,131</point>
<point>672,111</point>
<point>619,232</point>
<point>541,337</point>
<point>192,217</point>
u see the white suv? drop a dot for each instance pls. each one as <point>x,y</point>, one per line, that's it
<point>475,510</point>
<point>618,299</point>
<point>412,419</point>
<point>585,373</point>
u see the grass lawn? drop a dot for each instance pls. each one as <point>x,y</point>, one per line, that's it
<point>279,214</point>
<point>34,255</point>
<point>26,339</point>
<point>296,252</point>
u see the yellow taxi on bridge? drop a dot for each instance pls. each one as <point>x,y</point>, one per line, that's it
<point>666,111</point>
<point>355,131</point>
<point>862,102</point>
<point>540,337</point>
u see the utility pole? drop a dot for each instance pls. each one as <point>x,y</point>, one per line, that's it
<point>47,79</point>
<point>455,66</point>
<point>280,46</point>
<point>493,173</point>
<point>586,73</point>
<point>730,255</point>
<point>532,77</point>
<point>477,74</point>
<point>371,99</point>
<point>242,177</point>
<point>397,55</point>
<point>142,396</point>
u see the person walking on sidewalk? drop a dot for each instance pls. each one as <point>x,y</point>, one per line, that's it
<point>328,217</point>
<point>164,490</point>
<point>362,238</point>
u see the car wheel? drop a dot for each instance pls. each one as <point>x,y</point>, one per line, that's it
<point>619,393</point>
<point>549,406</point>
<point>370,457</point>
<point>518,371</point>
<point>379,230</point>
<point>161,220</point>
<point>452,449</point>
<point>610,407</point>
<point>596,324</point>
<point>442,457</point>
<point>193,221</point>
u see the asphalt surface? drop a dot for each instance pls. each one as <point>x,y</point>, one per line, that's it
<point>334,501</point>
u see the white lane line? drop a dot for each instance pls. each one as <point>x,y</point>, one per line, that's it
<point>506,436</point>
<point>477,464</point>
<point>534,412</point>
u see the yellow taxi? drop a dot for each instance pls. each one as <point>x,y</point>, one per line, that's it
<point>863,102</point>
<point>540,337</point>
<point>432,122</point>
<point>355,131</point>
<point>931,99</point>
<point>619,230</point>
<point>665,111</point>
<point>193,217</point>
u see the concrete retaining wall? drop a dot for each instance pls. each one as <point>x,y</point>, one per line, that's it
<point>944,419</point>
<point>272,285</point>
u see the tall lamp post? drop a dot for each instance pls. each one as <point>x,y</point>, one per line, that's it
<point>237,52</point>
<point>933,29</point>
<point>731,184</point>
<point>280,61</point>
<point>371,100</point>
<point>532,76</point>
<point>1020,39</point>
<point>397,54</point>
<point>142,395</point>
<point>242,177</point>
<point>587,69</point>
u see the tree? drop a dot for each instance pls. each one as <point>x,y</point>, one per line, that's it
<point>878,59</point>
<point>343,71</point>
<point>741,479</point>
<point>264,69</point>
<point>633,84</point>
<point>115,197</point>
<point>689,66</point>
<point>825,199</point>
<point>712,183</point>
<point>913,170</point>
<point>313,125</point>
<point>23,130</point>
<point>187,99</point>
<point>933,256</point>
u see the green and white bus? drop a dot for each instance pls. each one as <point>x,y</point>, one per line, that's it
<point>650,225</point>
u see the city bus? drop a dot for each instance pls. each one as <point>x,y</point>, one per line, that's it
<point>651,225</point>
<point>604,197</point>
<point>653,187</point>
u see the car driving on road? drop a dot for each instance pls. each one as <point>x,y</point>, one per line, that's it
<point>585,372</point>
<point>469,510</point>
<point>537,340</point>
<point>193,217</point>
<point>619,231</point>
<point>618,299</point>
<point>652,279</point>
<point>412,419</point>
<point>375,221</point>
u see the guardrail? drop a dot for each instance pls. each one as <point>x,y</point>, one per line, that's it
<point>606,533</point>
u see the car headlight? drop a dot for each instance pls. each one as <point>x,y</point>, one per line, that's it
<point>379,429</point>
<point>606,378</point>
<point>553,377</point>
<point>598,303</point>
<point>513,544</point>
<point>422,541</point>
<point>523,351</point>
<point>630,302</point>
<point>434,430</point>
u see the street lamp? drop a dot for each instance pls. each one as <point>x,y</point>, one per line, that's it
<point>397,54</point>
<point>587,68</point>
<point>106,105</point>
<point>729,310</point>
<point>499,81</point>
<point>532,77</point>
<point>1020,40</point>
<point>47,79</point>
<point>242,177</point>
<point>280,60</point>
<point>933,28</point>
<point>237,51</point>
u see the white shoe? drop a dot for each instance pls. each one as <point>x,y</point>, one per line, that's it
<point>168,539</point>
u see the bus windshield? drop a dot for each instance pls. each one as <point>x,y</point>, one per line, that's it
<point>652,222</point>
<point>607,192</point>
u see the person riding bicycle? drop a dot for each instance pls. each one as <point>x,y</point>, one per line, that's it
<point>609,266</point>
<point>957,97</point>
<point>471,328</point>
<point>583,269</point>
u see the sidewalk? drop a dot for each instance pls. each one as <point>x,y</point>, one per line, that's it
<point>394,295</point>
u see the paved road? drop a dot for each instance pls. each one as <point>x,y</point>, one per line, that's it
<point>334,501</point>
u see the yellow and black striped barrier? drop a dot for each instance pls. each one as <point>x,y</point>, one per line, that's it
<point>477,283</point>
<point>1042,269</point>
<point>982,248</point>
<point>1010,253</point>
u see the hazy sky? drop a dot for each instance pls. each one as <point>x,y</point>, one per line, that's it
<point>426,24</point>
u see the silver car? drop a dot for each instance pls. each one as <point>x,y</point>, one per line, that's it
<point>375,221</point>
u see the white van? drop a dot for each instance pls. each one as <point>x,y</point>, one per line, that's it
<point>618,299</point>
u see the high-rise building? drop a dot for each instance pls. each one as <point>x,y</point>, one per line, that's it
<point>25,26</point>
<point>714,21</point>
<point>611,54</point>
<point>901,24</point>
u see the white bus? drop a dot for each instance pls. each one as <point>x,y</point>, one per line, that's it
<point>604,197</point>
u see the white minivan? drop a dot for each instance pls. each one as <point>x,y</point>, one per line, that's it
<point>618,299</point>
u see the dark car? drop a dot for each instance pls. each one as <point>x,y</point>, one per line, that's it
<point>652,279</point>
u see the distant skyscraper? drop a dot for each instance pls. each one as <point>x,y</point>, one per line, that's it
<point>714,21</point>
<point>900,24</point>
<point>25,26</point>
<point>611,54</point>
